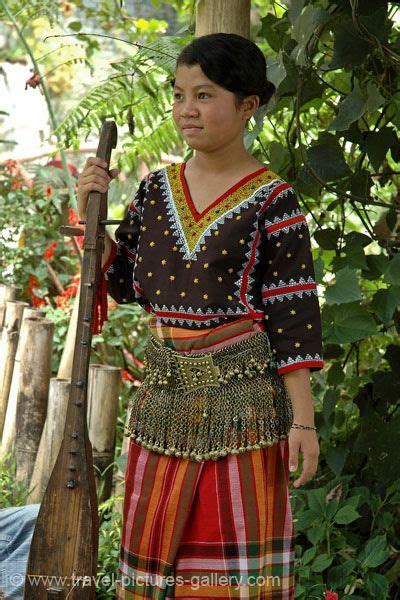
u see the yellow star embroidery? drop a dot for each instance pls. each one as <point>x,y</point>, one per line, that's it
<point>166,232</point>
<point>278,244</point>
<point>175,248</point>
<point>183,294</point>
<point>140,258</point>
<point>238,217</point>
<point>300,235</point>
<point>230,270</point>
<point>205,265</point>
<point>266,317</point>
<point>188,265</point>
<point>131,222</point>
<point>121,280</point>
<point>149,274</point>
<point>216,232</point>
<point>205,296</point>
<point>275,273</point>
<point>204,248</point>
<point>158,292</point>
<point>152,244</point>
<point>293,312</point>
<point>152,201</point>
<point>172,277</point>
<point>288,255</point>
<point>297,344</point>
<point>129,236</point>
<point>280,329</point>
<point>241,241</point>
<point>196,280</point>
<point>230,297</point>
<point>224,251</point>
<point>155,186</point>
<point>219,279</point>
<point>163,262</point>
<point>303,266</point>
<point>159,217</point>
<point>309,326</point>
<point>270,262</point>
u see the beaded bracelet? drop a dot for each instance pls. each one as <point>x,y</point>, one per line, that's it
<point>298,426</point>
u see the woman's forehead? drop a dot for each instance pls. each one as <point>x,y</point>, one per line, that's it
<point>191,76</point>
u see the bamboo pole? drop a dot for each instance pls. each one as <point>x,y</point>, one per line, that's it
<point>35,372</point>
<point>8,349</point>
<point>50,441</point>
<point>103,394</point>
<point>228,16</point>
<point>118,505</point>
<point>7,292</point>
<point>8,436</point>
<point>65,367</point>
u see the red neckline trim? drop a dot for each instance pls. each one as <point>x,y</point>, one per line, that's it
<point>228,192</point>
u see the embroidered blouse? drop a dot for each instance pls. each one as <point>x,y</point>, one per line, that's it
<point>247,255</point>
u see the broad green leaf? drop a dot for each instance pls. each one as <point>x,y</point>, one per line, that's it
<point>341,572</point>
<point>327,238</point>
<point>375,98</point>
<point>345,289</point>
<point>350,110</point>
<point>374,552</point>
<point>346,514</point>
<point>327,160</point>
<point>392,273</point>
<point>322,562</point>
<point>384,302</point>
<point>347,323</point>
<point>276,69</point>
<point>336,458</point>
<point>376,586</point>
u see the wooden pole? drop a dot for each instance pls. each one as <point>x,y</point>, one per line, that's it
<point>8,436</point>
<point>119,491</point>
<point>35,365</point>
<point>50,441</point>
<point>103,394</point>
<point>8,349</point>
<point>228,16</point>
<point>7,292</point>
<point>65,367</point>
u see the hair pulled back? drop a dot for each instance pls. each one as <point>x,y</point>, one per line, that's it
<point>232,61</point>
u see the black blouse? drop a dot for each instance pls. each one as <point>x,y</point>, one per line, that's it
<point>247,255</point>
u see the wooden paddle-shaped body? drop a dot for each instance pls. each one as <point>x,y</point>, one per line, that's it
<point>64,548</point>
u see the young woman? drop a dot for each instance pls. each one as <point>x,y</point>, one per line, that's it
<point>217,249</point>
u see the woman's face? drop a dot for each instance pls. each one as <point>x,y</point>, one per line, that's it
<point>210,108</point>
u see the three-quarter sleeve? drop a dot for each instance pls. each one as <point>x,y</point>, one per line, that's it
<point>289,290</point>
<point>117,274</point>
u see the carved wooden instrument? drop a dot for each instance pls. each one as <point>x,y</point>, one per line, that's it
<point>64,549</point>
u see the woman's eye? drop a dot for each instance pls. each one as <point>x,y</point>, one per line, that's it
<point>176,95</point>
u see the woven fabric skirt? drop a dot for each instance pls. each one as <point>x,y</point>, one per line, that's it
<point>215,529</point>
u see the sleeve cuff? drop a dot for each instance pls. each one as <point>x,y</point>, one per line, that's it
<point>313,365</point>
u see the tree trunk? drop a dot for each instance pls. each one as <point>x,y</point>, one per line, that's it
<point>35,357</point>
<point>65,367</point>
<point>8,437</point>
<point>228,16</point>
<point>50,442</point>
<point>103,394</point>
<point>8,349</point>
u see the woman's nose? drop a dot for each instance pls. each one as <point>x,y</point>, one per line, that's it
<point>189,108</point>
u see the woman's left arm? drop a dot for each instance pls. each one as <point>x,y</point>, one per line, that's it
<point>298,386</point>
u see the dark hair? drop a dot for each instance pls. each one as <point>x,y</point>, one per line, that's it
<point>232,61</point>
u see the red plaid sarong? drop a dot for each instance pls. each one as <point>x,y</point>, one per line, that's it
<point>216,529</point>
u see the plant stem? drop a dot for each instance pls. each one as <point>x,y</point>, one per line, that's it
<point>52,117</point>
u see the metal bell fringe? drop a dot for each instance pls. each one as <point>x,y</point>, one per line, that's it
<point>224,402</point>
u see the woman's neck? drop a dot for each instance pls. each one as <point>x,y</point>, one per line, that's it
<point>221,162</point>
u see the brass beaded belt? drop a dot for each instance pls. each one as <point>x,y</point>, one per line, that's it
<point>207,405</point>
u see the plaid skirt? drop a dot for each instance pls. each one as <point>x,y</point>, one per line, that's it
<point>215,529</point>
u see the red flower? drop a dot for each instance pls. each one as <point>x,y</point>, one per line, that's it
<point>49,252</point>
<point>73,218</point>
<point>62,300</point>
<point>126,376</point>
<point>33,283</point>
<point>33,81</point>
<point>331,596</point>
<point>49,190</point>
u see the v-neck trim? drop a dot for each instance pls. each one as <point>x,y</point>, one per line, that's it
<point>198,215</point>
